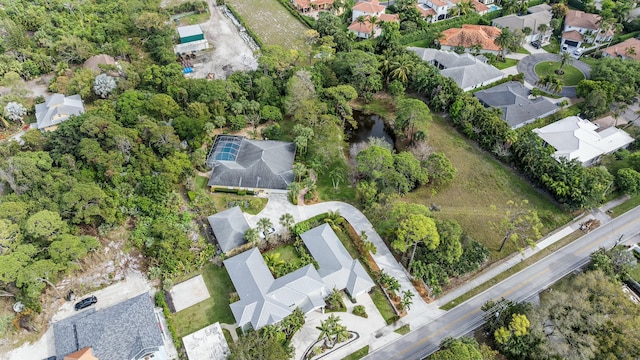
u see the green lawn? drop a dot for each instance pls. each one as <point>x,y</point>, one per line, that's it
<point>403,330</point>
<point>481,182</point>
<point>383,305</point>
<point>214,309</point>
<point>358,354</point>
<point>522,50</point>
<point>288,254</point>
<point>571,77</point>
<point>194,19</point>
<point>507,63</point>
<point>635,273</point>
<point>553,46</point>
<point>201,182</point>
<point>345,192</point>
<point>626,206</point>
<point>587,59</point>
<point>273,24</point>
<point>256,204</point>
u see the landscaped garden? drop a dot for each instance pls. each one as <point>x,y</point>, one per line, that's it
<point>570,76</point>
<point>271,22</point>
<point>214,309</point>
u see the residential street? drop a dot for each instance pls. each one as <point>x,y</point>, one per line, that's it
<point>521,286</point>
<point>527,66</point>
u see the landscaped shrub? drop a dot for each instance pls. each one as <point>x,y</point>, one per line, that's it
<point>161,302</point>
<point>359,310</point>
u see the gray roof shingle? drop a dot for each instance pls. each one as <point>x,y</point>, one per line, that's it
<point>513,99</point>
<point>123,331</point>
<point>57,109</point>
<point>466,70</point>
<point>258,164</point>
<point>265,300</point>
<point>229,227</point>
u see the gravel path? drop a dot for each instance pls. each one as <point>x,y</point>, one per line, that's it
<point>528,64</point>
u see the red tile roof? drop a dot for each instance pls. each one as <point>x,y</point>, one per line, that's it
<point>582,19</point>
<point>470,35</point>
<point>621,49</point>
<point>426,12</point>
<point>369,7</point>
<point>365,27</point>
<point>438,2</point>
<point>572,35</point>
<point>480,7</point>
<point>390,17</point>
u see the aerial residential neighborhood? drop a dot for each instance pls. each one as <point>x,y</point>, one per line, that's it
<point>319,179</point>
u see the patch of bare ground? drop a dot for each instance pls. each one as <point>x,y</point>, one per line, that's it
<point>105,266</point>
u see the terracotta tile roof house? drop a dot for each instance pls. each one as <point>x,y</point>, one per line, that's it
<point>125,331</point>
<point>240,163</point>
<point>578,139</point>
<point>56,109</point>
<point>265,300</point>
<point>229,227</point>
<point>622,50</point>
<point>466,70</point>
<point>517,108</point>
<point>469,36</point>
<point>82,354</point>
<point>572,35</point>
<point>480,7</point>
<point>367,10</point>
<point>95,61</point>
<point>588,25</point>
<point>368,7</point>
<point>425,11</point>
<point>581,19</point>
<point>308,5</point>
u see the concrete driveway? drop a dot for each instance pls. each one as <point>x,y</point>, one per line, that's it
<point>528,64</point>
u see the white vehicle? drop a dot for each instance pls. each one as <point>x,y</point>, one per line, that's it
<point>578,51</point>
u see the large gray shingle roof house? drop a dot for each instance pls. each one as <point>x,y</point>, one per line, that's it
<point>229,227</point>
<point>466,70</point>
<point>517,108</point>
<point>241,163</point>
<point>265,300</point>
<point>57,109</point>
<point>125,331</point>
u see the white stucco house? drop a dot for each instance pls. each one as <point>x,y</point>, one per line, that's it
<point>575,138</point>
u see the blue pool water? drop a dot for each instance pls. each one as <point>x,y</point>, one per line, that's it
<point>494,7</point>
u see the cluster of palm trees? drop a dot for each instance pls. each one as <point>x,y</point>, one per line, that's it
<point>332,331</point>
<point>464,7</point>
<point>552,82</point>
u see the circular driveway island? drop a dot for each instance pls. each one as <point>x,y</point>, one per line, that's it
<point>528,64</point>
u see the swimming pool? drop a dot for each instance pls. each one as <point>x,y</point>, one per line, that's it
<point>494,7</point>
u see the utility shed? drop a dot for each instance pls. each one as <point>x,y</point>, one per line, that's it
<point>190,33</point>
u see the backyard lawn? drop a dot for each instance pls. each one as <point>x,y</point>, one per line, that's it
<point>480,183</point>
<point>571,77</point>
<point>271,22</point>
<point>288,254</point>
<point>212,310</point>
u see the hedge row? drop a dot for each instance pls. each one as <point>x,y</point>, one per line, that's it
<point>307,20</point>
<point>244,24</point>
<point>161,302</point>
<point>187,7</point>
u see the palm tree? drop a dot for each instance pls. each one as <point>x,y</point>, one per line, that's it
<point>252,235</point>
<point>299,170</point>
<point>630,51</point>
<point>402,68</point>
<point>264,225</point>
<point>565,59</point>
<point>462,8</point>
<point>543,28</point>
<point>550,82</point>
<point>273,261</point>
<point>503,41</point>
<point>407,299</point>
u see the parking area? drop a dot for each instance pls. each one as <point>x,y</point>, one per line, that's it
<point>229,48</point>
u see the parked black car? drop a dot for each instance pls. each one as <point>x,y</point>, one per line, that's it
<point>86,302</point>
<point>536,44</point>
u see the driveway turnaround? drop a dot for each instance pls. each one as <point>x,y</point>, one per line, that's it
<point>528,64</point>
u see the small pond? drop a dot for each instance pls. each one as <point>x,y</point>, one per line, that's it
<point>369,126</point>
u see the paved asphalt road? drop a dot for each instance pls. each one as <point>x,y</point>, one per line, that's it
<point>521,286</point>
<point>528,64</point>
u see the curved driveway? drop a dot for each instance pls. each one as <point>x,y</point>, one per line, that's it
<point>528,64</point>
